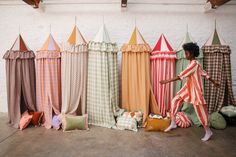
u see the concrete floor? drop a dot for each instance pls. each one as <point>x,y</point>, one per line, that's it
<point>98,141</point>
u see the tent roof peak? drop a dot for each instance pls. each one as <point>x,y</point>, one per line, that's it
<point>215,39</point>
<point>102,35</point>
<point>50,44</point>
<point>136,37</point>
<point>163,45</point>
<point>76,37</point>
<point>19,44</point>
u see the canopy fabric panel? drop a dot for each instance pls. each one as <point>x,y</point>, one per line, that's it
<point>102,85</point>
<point>74,58</point>
<point>48,80</point>
<point>163,68</point>
<point>20,76</point>
<point>137,94</point>
<point>218,65</point>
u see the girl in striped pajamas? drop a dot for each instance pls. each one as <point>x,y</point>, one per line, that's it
<point>192,91</point>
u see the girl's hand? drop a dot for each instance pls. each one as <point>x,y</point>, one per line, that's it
<point>216,84</point>
<point>164,81</point>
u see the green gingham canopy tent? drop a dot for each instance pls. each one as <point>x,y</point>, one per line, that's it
<point>181,64</point>
<point>102,85</point>
<point>218,65</point>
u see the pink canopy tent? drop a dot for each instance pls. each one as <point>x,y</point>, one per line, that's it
<point>162,68</point>
<point>20,79</point>
<point>48,80</point>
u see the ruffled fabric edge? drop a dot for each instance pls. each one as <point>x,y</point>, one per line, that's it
<point>74,49</point>
<point>136,48</point>
<point>103,47</point>
<point>12,54</point>
<point>48,54</point>
<point>225,49</point>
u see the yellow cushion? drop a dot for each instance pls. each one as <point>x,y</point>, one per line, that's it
<point>157,124</point>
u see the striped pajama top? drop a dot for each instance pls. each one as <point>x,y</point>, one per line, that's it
<point>192,91</point>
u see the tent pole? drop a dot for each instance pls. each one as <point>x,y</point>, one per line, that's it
<point>19,29</point>
<point>75,20</point>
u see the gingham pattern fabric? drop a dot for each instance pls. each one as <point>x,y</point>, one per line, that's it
<point>48,87</point>
<point>182,120</point>
<point>126,123</point>
<point>102,85</point>
<point>74,79</point>
<point>217,64</point>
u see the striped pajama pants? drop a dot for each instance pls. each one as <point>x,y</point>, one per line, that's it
<point>200,110</point>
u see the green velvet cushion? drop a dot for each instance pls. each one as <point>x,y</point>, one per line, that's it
<point>70,122</point>
<point>229,111</point>
<point>217,121</point>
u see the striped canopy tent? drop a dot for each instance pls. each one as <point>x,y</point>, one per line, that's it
<point>74,74</point>
<point>181,64</point>
<point>162,68</point>
<point>48,80</point>
<point>137,94</point>
<point>20,76</point>
<point>217,63</point>
<point>102,85</point>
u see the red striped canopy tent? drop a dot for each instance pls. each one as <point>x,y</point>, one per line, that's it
<point>162,68</point>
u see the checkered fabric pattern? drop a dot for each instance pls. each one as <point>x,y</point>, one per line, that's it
<point>217,64</point>
<point>102,85</point>
<point>48,88</point>
<point>127,123</point>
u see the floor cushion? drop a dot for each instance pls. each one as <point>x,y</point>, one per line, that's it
<point>25,120</point>
<point>182,120</point>
<point>56,122</point>
<point>229,111</point>
<point>70,122</point>
<point>217,121</point>
<point>127,123</point>
<point>37,118</point>
<point>154,124</point>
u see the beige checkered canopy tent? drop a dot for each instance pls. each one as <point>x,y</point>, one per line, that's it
<point>102,85</point>
<point>20,74</point>
<point>48,80</point>
<point>217,64</point>
<point>74,74</point>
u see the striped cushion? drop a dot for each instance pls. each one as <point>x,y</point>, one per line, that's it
<point>182,120</point>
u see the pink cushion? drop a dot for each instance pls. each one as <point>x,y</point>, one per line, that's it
<point>25,120</point>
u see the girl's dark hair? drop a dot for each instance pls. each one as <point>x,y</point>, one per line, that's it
<point>193,48</point>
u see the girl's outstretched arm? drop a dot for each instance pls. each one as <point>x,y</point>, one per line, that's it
<point>170,80</point>
<point>216,84</point>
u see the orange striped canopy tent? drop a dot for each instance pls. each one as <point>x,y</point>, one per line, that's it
<point>48,80</point>
<point>74,58</point>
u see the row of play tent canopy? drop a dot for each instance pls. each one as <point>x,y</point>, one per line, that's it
<point>83,78</point>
